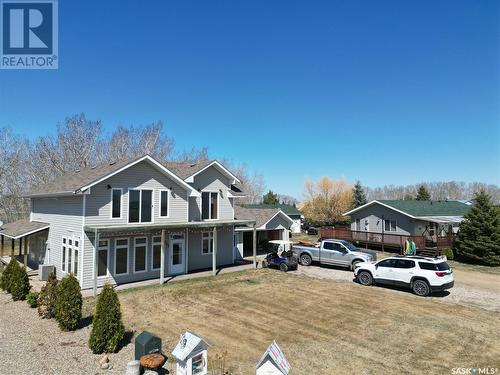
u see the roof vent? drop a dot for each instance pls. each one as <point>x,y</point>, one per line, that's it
<point>93,167</point>
<point>192,165</point>
<point>113,162</point>
<point>77,171</point>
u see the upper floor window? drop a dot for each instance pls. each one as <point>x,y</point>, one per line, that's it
<point>390,225</point>
<point>116,203</point>
<point>209,205</point>
<point>164,203</point>
<point>139,206</point>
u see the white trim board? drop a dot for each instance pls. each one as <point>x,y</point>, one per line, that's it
<point>182,183</point>
<point>219,166</point>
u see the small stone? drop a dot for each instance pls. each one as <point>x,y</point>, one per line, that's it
<point>110,366</point>
<point>104,359</point>
<point>150,372</point>
<point>105,366</point>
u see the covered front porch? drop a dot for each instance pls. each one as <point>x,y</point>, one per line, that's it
<point>128,254</point>
<point>26,241</point>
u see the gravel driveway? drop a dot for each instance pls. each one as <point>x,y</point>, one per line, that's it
<point>471,288</point>
<point>31,345</point>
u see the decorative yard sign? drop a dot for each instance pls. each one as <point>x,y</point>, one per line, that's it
<point>273,362</point>
<point>191,355</point>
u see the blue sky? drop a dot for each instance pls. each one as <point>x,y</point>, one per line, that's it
<point>388,92</point>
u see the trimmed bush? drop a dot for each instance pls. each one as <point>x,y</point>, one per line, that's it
<point>448,252</point>
<point>47,298</point>
<point>32,299</point>
<point>107,326</point>
<point>7,275</point>
<point>68,303</point>
<point>19,283</point>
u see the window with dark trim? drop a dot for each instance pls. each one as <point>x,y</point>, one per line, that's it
<point>116,203</point>
<point>164,203</point>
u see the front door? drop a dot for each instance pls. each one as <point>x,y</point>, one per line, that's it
<point>177,256</point>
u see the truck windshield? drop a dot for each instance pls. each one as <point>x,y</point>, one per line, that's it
<point>349,245</point>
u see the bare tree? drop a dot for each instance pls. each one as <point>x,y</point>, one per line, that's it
<point>252,183</point>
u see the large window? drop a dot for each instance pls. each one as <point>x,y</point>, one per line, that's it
<point>140,246</point>
<point>209,205</point>
<point>121,256</point>
<point>164,203</point>
<point>116,203</point>
<point>102,258</point>
<point>207,242</point>
<point>69,255</point>
<point>140,205</point>
<point>156,256</point>
<point>389,225</point>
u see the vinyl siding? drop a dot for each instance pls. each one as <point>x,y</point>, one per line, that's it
<point>139,176</point>
<point>197,260</point>
<point>131,276</point>
<point>212,180</point>
<point>277,221</point>
<point>64,215</point>
<point>374,214</point>
<point>194,208</point>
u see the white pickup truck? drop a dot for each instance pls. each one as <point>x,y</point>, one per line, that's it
<point>334,252</point>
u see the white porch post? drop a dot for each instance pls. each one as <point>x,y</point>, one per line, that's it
<point>96,245</point>
<point>254,245</point>
<point>162,257</point>
<point>214,253</point>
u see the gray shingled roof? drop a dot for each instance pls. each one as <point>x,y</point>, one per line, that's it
<point>20,228</point>
<point>260,215</point>
<point>184,170</point>
<point>72,181</point>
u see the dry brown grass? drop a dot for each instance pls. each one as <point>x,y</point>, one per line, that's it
<point>323,326</point>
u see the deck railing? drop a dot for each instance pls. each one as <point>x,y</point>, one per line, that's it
<point>386,241</point>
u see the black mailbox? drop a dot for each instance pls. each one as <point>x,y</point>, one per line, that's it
<point>147,343</point>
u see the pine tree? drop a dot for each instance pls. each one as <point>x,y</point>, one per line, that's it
<point>47,298</point>
<point>107,326</point>
<point>19,283</point>
<point>270,198</point>
<point>68,303</point>
<point>479,235</point>
<point>358,195</point>
<point>5,281</point>
<point>423,194</point>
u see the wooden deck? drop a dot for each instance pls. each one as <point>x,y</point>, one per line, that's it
<point>388,241</point>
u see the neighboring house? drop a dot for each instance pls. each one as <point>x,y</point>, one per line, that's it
<point>270,223</point>
<point>291,211</point>
<point>134,220</point>
<point>430,219</point>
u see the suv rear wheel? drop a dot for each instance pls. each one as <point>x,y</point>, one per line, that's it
<point>421,288</point>
<point>365,278</point>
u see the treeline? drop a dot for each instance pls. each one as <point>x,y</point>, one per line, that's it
<point>79,143</point>
<point>451,190</point>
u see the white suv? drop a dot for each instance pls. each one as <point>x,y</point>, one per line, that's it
<point>422,275</point>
